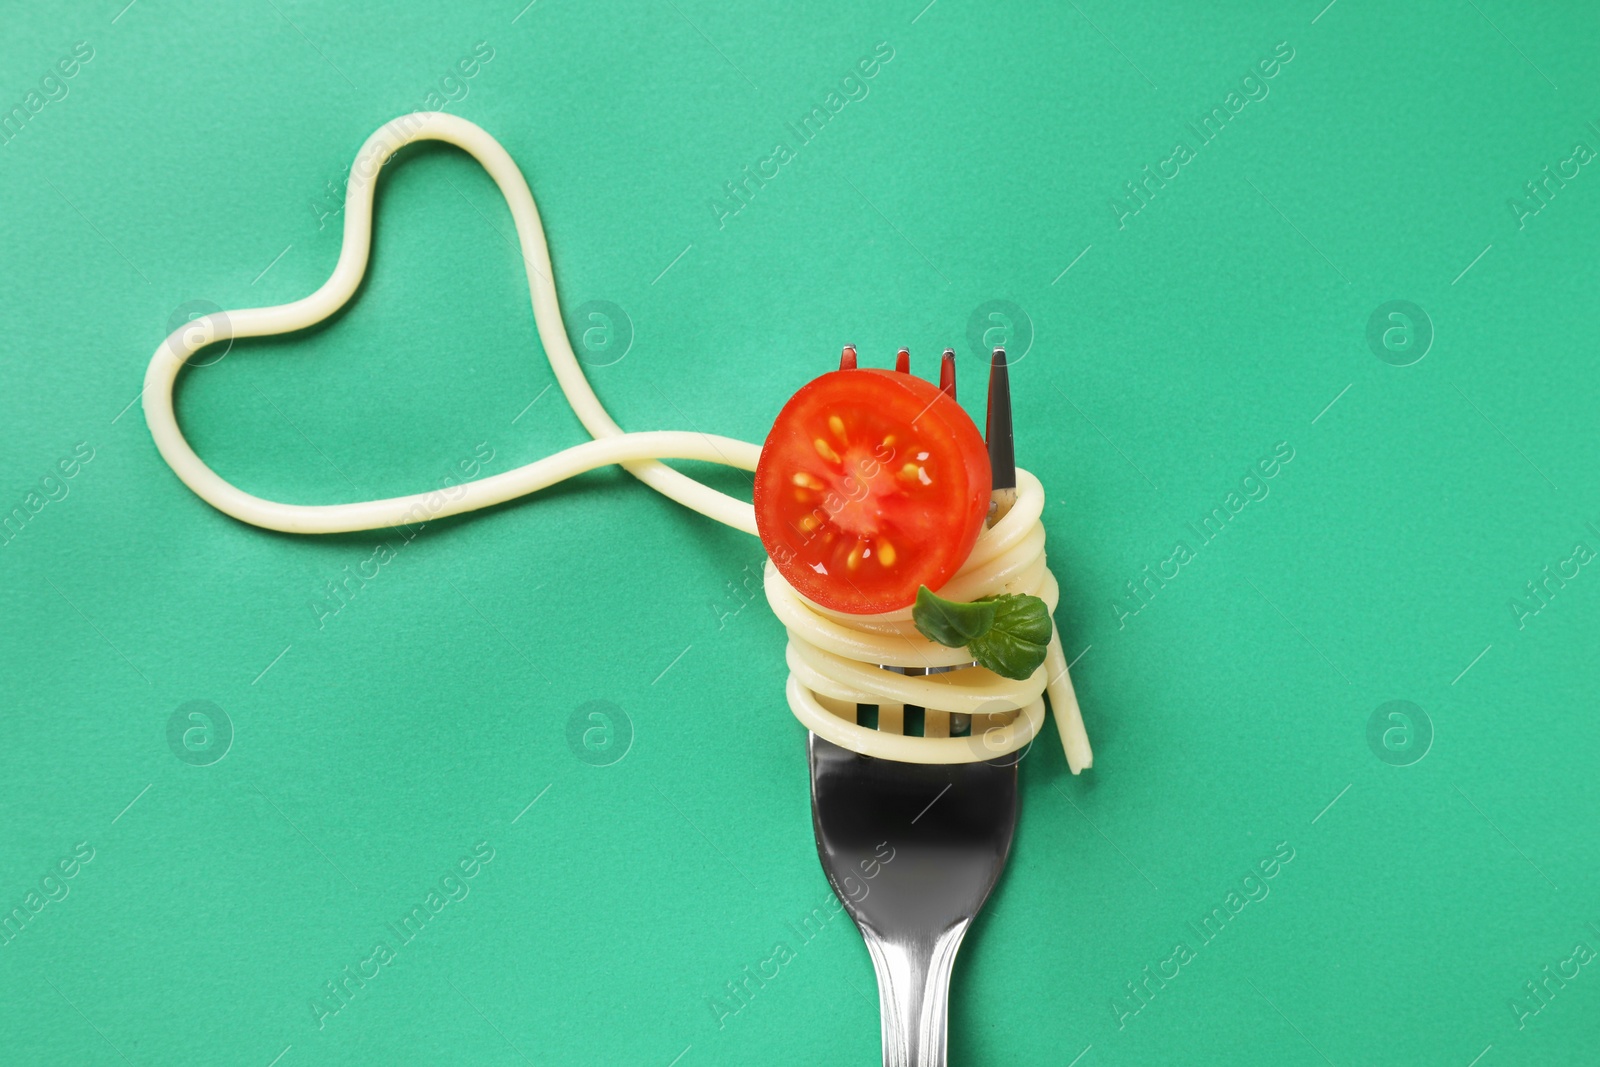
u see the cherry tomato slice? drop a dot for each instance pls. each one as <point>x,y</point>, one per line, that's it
<point>871,484</point>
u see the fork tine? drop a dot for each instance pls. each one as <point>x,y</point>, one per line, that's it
<point>1000,436</point>
<point>999,433</point>
<point>892,718</point>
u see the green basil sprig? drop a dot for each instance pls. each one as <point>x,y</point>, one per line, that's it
<point>1008,634</point>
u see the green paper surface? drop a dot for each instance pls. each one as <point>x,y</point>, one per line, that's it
<point>587,686</point>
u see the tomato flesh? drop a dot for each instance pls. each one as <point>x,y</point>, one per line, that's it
<point>871,483</point>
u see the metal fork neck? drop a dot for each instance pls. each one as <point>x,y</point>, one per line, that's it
<point>914,996</point>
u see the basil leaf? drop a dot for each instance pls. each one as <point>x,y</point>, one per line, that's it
<point>952,623</point>
<point>1016,641</point>
<point>1009,634</point>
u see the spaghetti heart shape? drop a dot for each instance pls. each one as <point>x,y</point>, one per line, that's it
<point>637,452</point>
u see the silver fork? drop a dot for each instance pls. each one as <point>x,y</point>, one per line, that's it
<point>948,829</point>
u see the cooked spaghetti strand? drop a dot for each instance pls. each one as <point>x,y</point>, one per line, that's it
<point>834,658</point>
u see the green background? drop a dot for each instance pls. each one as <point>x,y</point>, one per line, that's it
<point>193,158</point>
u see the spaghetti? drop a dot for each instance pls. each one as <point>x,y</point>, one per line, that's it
<point>835,659</point>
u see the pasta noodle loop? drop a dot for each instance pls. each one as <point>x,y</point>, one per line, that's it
<point>837,661</point>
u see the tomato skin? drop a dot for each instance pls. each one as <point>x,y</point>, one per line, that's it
<point>871,484</point>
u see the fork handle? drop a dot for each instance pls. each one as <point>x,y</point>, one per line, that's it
<point>914,996</point>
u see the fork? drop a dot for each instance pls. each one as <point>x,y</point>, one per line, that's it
<point>948,828</point>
